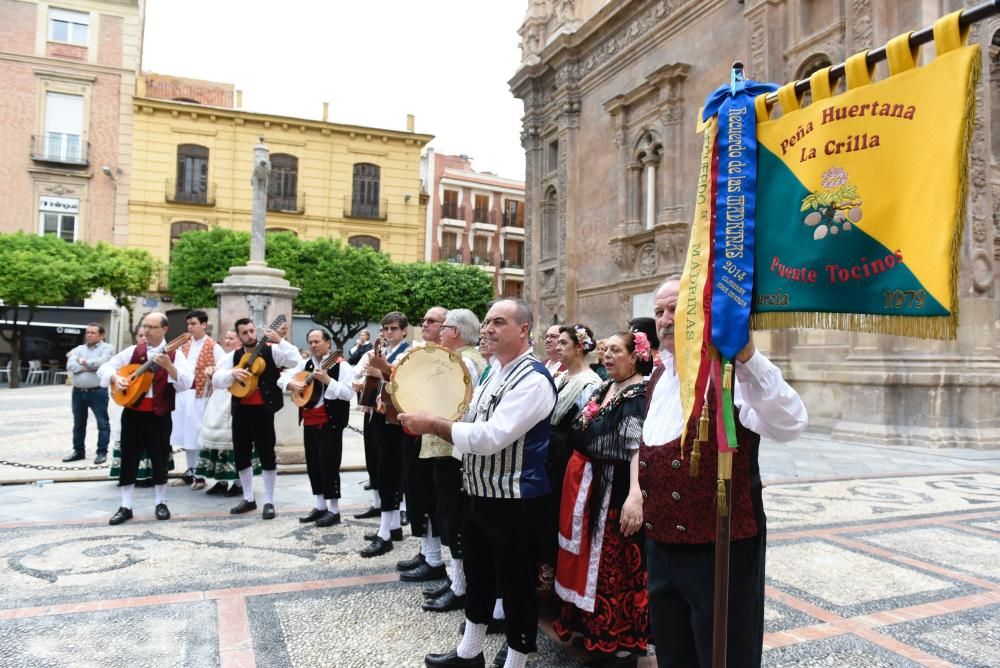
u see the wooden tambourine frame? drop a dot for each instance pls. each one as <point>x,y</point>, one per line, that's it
<point>431,378</point>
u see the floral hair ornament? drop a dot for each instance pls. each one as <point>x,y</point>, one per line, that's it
<point>584,339</point>
<point>641,346</point>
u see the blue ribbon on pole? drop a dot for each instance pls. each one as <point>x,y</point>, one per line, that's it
<point>732,289</point>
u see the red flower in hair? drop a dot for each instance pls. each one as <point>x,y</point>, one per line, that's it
<point>642,350</point>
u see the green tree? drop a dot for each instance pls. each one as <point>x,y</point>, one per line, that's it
<point>37,270</point>
<point>201,258</point>
<point>446,284</point>
<point>123,273</point>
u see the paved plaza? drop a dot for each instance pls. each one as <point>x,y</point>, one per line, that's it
<point>877,557</point>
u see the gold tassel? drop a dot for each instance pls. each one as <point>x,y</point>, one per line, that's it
<point>694,466</point>
<point>723,506</point>
<point>703,423</point>
<point>727,376</point>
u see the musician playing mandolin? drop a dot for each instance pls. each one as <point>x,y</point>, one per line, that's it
<point>253,415</point>
<point>324,417</point>
<point>147,424</point>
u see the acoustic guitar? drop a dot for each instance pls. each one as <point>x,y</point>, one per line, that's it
<point>140,377</point>
<point>253,363</point>
<point>373,385</point>
<point>302,398</point>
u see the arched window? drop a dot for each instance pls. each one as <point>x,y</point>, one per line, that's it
<point>178,229</point>
<point>647,160</point>
<point>192,174</point>
<point>365,192</point>
<point>550,224</point>
<point>363,240</point>
<point>283,183</point>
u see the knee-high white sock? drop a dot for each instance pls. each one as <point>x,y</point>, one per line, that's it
<point>394,523</point>
<point>126,491</point>
<point>498,609</point>
<point>246,482</point>
<point>430,547</point>
<point>402,503</point>
<point>458,577</point>
<point>192,459</point>
<point>384,524</point>
<point>515,659</point>
<point>473,640</point>
<point>270,477</point>
<point>161,494</point>
<point>319,503</point>
<point>376,499</point>
<point>333,505</point>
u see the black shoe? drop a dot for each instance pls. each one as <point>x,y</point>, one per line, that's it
<point>410,564</point>
<point>453,659</point>
<point>329,519</point>
<point>243,506</point>
<point>437,590</point>
<point>500,660</point>
<point>122,515</point>
<point>235,490</point>
<point>371,512</point>
<point>75,457</point>
<point>403,519</point>
<point>314,515</point>
<point>494,627</point>
<point>162,512</point>
<point>377,547</point>
<point>447,602</point>
<point>423,573</point>
<point>100,459</point>
<point>218,489</point>
<point>394,535</point>
<point>188,476</point>
<point>268,513</point>
<point>368,487</point>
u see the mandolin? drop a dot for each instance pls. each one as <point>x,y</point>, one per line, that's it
<point>372,386</point>
<point>302,398</point>
<point>253,363</point>
<point>140,377</point>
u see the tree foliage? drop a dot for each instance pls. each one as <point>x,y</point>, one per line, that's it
<point>123,273</point>
<point>446,284</point>
<point>201,258</point>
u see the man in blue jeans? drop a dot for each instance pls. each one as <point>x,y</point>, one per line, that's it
<point>82,363</point>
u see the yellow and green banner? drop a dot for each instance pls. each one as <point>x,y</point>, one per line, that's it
<point>861,195</point>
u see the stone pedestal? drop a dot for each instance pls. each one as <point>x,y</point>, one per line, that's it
<point>261,293</point>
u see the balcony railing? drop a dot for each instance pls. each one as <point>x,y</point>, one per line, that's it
<point>482,260</point>
<point>454,257</point>
<point>484,216</point>
<point>453,211</point>
<point>511,220</point>
<point>61,148</point>
<point>512,263</point>
<point>294,203</point>
<point>202,194</point>
<point>370,210</point>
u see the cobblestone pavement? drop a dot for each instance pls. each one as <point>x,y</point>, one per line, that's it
<point>877,557</point>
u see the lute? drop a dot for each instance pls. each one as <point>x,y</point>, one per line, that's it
<point>373,385</point>
<point>253,363</point>
<point>140,377</point>
<point>302,398</point>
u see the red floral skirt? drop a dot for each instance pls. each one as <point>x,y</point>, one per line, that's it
<point>620,620</point>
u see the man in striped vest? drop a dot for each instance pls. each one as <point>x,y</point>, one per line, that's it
<point>504,442</point>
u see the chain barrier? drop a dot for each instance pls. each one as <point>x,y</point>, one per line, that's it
<point>45,467</point>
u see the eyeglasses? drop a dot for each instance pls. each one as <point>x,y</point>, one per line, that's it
<point>454,327</point>
<point>153,326</point>
<point>429,321</point>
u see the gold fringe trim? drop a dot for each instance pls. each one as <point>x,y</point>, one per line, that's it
<point>723,506</point>
<point>936,327</point>
<point>963,177</point>
<point>694,468</point>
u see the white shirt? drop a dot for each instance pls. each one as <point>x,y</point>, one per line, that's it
<point>285,355</point>
<point>520,409</point>
<point>185,375</point>
<point>339,388</point>
<point>768,405</point>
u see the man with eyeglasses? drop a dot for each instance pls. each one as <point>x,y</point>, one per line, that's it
<point>147,425</point>
<point>389,438</point>
<point>551,345</point>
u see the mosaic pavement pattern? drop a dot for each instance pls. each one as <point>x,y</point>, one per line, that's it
<point>877,572</point>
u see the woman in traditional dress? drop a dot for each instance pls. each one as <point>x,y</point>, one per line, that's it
<point>216,459</point>
<point>601,570</point>
<point>574,387</point>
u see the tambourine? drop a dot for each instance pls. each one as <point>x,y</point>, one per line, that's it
<point>431,378</point>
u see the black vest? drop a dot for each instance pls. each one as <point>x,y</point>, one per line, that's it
<point>338,411</point>
<point>268,381</point>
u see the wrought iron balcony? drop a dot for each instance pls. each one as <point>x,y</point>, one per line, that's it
<point>452,211</point>
<point>511,220</point>
<point>362,209</point>
<point>294,203</point>
<point>61,148</point>
<point>201,194</point>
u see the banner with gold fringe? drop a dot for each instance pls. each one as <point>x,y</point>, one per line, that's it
<point>861,196</point>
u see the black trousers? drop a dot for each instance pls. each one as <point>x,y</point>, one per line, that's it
<point>253,428</point>
<point>389,438</point>
<point>502,539</point>
<point>418,482</point>
<point>142,430</point>
<point>452,503</point>
<point>371,449</point>
<point>681,602</point>
<point>324,447</point>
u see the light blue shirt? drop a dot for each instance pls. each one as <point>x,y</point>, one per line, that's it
<point>85,372</point>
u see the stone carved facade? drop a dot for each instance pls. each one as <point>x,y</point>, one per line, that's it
<point>611,93</point>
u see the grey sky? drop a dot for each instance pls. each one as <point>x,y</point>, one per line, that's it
<point>374,61</point>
